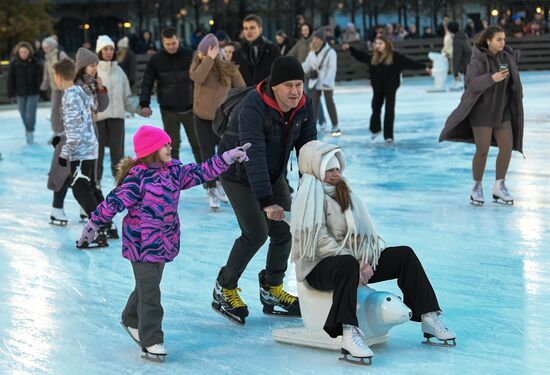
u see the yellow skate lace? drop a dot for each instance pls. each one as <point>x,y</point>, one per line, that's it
<point>283,296</point>
<point>232,296</point>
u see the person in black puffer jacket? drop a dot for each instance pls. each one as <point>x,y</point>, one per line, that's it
<point>462,50</point>
<point>170,69</point>
<point>256,55</point>
<point>385,67</point>
<point>24,78</point>
<point>275,118</point>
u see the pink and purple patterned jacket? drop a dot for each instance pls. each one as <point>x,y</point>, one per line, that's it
<point>150,193</point>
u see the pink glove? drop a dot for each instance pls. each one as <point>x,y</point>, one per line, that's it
<point>236,154</point>
<point>88,233</point>
<point>365,273</point>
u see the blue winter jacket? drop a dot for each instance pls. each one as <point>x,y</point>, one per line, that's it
<point>259,120</point>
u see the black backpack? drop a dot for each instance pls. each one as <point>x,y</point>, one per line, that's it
<point>223,113</point>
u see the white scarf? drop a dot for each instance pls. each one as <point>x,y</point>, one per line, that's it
<point>308,217</point>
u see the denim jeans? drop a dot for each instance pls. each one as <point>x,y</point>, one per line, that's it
<point>27,109</point>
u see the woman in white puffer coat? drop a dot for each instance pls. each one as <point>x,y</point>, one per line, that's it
<point>320,68</point>
<point>110,122</point>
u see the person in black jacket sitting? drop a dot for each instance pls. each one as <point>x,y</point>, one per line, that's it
<point>275,117</point>
<point>256,55</point>
<point>385,67</point>
<point>24,78</point>
<point>170,69</point>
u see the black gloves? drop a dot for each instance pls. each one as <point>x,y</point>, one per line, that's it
<point>62,162</point>
<point>55,140</point>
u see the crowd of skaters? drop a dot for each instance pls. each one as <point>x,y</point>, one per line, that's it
<point>90,100</point>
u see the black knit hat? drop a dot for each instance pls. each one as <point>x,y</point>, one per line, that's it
<point>286,68</point>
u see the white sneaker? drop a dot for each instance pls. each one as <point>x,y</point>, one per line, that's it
<point>221,193</point>
<point>213,200</point>
<point>500,193</point>
<point>432,326</point>
<point>477,194</point>
<point>157,349</point>
<point>58,217</point>
<point>353,343</point>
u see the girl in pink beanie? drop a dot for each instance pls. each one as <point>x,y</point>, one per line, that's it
<point>148,186</point>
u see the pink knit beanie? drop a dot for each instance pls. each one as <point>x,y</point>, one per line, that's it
<point>149,139</point>
<point>209,40</point>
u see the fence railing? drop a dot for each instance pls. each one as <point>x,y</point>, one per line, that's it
<point>534,50</point>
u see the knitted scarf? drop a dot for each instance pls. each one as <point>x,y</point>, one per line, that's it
<point>308,217</point>
<point>89,85</point>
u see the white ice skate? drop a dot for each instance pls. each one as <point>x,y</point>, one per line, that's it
<point>335,132</point>
<point>133,332</point>
<point>221,193</point>
<point>476,197</point>
<point>353,343</point>
<point>58,217</point>
<point>373,136</point>
<point>213,200</point>
<point>500,193</point>
<point>154,353</point>
<point>389,141</point>
<point>432,326</point>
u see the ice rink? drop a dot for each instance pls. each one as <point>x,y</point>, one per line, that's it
<point>60,307</point>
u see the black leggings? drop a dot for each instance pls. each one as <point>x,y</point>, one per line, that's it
<point>341,275</point>
<point>378,99</point>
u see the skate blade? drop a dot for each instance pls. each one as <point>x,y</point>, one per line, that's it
<point>156,358</point>
<point>59,223</point>
<point>282,313</point>
<point>214,209</point>
<point>132,337</point>
<point>235,319</point>
<point>500,201</point>
<point>90,246</point>
<point>441,344</point>
<point>476,203</point>
<point>367,361</point>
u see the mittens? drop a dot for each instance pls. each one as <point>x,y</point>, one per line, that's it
<point>236,154</point>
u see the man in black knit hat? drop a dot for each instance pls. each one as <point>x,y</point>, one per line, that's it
<point>275,118</point>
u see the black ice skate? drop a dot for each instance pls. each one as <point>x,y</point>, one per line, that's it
<point>228,303</point>
<point>155,353</point>
<point>274,296</point>
<point>111,231</point>
<point>100,240</point>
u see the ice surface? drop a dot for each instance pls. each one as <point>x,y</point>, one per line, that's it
<point>60,307</point>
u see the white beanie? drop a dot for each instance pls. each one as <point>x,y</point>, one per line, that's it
<point>123,43</point>
<point>333,163</point>
<point>103,41</point>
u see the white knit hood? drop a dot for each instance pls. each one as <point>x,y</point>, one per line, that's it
<point>308,217</point>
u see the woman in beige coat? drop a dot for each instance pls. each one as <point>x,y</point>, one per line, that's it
<point>335,247</point>
<point>213,79</point>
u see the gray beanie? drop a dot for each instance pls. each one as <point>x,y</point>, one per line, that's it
<point>85,57</point>
<point>209,41</point>
<point>320,33</point>
<point>49,42</point>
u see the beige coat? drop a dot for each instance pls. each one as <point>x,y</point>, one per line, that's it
<point>209,91</point>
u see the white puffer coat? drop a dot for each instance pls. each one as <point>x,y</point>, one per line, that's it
<point>118,88</point>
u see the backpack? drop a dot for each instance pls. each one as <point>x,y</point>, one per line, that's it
<point>223,113</point>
